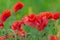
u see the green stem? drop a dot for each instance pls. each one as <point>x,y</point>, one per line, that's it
<point>57,28</point>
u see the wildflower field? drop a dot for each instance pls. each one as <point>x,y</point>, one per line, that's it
<point>29,19</point>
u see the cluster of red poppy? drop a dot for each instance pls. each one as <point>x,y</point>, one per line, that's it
<point>39,21</point>
<point>7,13</point>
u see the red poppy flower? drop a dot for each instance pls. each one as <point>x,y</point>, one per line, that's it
<point>45,14</point>
<point>43,22</point>
<point>31,17</point>
<point>5,14</point>
<point>22,32</point>
<point>17,25</point>
<point>55,16</point>
<point>1,38</point>
<point>18,6</point>
<point>53,37</point>
<point>30,20</point>
<point>35,21</point>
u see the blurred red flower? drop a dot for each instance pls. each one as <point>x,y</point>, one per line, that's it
<point>1,38</point>
<point>53,37</point>
<point>56,16</point>
<point>35,21</point>
<point>17,25</point>
<point>1,25</point>
<point>30,20</point>
<point>43,22</point>
<point>45,14</point>
<point>5,14</point>
<point>18,6</point>
<point>22,32</point>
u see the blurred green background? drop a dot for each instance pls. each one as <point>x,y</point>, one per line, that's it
<point>31,6</point>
